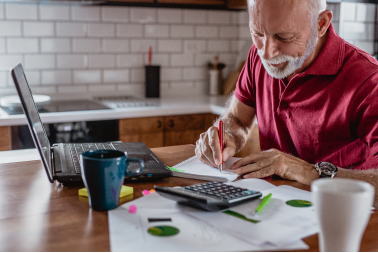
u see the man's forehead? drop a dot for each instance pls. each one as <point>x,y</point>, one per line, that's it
<point>279,15</point>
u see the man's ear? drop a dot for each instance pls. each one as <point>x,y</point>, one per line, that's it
<point>324,20</point>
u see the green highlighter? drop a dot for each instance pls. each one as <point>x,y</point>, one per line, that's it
<point>263,203</point>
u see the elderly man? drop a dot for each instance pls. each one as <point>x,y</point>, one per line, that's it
<point>314,95</point>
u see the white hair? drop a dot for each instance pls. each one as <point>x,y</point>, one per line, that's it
<point>315,7</point>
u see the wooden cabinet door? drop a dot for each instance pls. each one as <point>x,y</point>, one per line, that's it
<point>194,2</point>
<point>5,138</point>
<point>237,4</point>
<point>148,130</point>
<point>131,1</point>
<point>183,129</point>
<point>209,120</point>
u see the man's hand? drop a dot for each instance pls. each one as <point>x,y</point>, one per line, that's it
<point>274,162</point>
<point>208,147</point>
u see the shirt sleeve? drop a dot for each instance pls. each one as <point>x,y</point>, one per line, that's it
<point>364,112</point>
<point>245,91</point>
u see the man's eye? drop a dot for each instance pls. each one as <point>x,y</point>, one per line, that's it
<point>284,39</point>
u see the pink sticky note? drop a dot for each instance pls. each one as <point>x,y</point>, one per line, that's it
<point>132,209</point>
<point>145,192</point>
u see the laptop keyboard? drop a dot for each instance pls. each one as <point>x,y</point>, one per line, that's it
<point>75,149</point>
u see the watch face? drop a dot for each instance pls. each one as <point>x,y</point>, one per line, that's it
<point>327,168</point>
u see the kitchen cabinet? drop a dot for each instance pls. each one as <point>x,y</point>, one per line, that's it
<point>148,130</point>
<point>178,130</point>
<point>130,1</point>
<point>237,4</point>
<point>165,131</point>
<point>5,138</point>
<point>183,129</point>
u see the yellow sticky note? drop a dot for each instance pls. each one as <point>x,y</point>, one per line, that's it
<point>125,190</point>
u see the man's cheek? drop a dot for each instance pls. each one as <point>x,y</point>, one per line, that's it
<point>258,42</point>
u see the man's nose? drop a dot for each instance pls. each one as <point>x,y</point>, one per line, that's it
<point>270,48</point>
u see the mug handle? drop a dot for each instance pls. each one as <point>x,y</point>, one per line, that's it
<point>140,161</point>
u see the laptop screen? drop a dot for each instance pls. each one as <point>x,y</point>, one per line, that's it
<point>35,124</point>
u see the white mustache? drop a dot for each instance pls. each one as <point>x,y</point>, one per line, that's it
<point>281,59</point>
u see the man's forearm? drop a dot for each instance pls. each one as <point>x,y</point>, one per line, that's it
<point>370,176</point>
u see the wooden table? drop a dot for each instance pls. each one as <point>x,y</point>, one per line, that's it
<point>36,215</point>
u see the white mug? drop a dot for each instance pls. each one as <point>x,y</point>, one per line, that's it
<point>343,208</point>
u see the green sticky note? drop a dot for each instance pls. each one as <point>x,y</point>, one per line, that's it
<point>175,169</point>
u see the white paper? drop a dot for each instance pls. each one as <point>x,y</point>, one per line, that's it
<point>253,184</point>
<point>280,224</point>
<point>194,168</point>
<point>280,228</point>
<point>128,232</point>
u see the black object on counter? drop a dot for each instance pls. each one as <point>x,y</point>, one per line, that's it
<point>152,81</point>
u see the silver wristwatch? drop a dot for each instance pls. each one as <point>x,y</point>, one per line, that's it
<point>326,169</point>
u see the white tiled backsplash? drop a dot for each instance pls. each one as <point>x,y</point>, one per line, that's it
<point>102,50</point>
<point>357,24</point>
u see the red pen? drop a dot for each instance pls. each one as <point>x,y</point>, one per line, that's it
<point>220,132</point>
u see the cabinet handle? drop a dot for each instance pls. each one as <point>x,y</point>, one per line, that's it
<point>159,124</point>
<point>171,123</point>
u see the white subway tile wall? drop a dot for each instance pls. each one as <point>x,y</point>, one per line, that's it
<point>357,22</point>
<point>102,49</point>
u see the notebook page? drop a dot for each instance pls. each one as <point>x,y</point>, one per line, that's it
<point>194,166</point>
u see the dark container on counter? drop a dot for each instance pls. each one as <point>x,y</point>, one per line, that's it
<point>152,81</point>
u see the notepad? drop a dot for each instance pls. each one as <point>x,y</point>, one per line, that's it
<point>194,168</point>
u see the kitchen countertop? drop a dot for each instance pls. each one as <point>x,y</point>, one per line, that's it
<point>22,155</point>
<point>164,107</point>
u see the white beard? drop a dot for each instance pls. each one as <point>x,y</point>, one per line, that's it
<point>293,63</point>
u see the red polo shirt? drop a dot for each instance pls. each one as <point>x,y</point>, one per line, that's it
<point>328,113</point>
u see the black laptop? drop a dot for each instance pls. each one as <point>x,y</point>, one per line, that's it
<point>61,160</point>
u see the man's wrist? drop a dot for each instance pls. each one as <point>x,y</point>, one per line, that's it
<point>230,131</point>
<point>312,175</point>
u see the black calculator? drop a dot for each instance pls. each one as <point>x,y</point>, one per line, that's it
<point>210,196</point>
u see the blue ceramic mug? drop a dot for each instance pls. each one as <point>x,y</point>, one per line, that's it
<point>103,172</point>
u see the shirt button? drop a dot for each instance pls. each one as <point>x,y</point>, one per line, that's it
<point>284,105</point>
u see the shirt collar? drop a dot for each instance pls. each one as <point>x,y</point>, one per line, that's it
<point>330,59</point>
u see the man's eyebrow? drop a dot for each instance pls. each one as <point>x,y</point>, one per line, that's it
<point>254,30</point>
<point>286,34</point>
